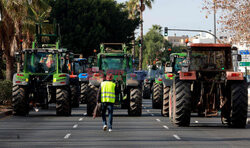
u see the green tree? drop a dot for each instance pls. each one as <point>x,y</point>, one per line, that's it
<point>135,7</point>
<point>85,24</point>
<point>155,46</point>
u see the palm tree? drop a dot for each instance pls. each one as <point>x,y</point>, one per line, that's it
<point>7,33</point>
<point>135,7</point>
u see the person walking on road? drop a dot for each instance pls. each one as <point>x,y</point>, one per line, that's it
<point>107,91</point>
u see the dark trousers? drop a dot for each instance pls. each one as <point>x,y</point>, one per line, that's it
<point>110,107</point>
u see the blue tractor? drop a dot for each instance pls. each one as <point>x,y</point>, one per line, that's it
<point>81,66</point>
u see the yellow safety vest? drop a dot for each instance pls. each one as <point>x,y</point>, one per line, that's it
<point>108,92</point>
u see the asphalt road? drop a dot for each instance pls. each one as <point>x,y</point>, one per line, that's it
<point>45,129</point>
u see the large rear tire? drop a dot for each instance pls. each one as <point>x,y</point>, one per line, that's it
<point>146,91</point>
<point>239,102</point>
<point>182,102</point>
<point>63,102</point>
<point>171,104</point>
<point>75,93</point>
<point>20,100</point>
<point>84,91</point>
<point>165,103</point>
<point>91,99</point>
<point>135,105</point>
<point>157,96</point>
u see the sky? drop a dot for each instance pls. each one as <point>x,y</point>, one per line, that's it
<point>177,14</point>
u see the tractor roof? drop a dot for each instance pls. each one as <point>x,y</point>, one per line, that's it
<point>202,46</point>
<point>46,50</point>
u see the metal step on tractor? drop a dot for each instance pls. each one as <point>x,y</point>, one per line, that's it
<point>113,58</point>
<point>44,78</point>
<point>207,85</point>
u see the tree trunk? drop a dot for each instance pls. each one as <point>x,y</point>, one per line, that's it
<point>141,52</point>
<point>133,49</point>
<point>9,67</point>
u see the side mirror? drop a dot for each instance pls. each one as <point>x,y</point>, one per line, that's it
<point>168,69</point>
<point>239,58</point>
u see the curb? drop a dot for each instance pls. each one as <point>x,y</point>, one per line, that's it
<point>5,113</point>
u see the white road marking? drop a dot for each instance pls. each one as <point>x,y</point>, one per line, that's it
<point>165,127</point>
<point>80,119</point>
<point>85,114</point>
<point>67,136</point>
<point>177,137</point>
<point>152,114</point>
<point>158,120</point>
<point>75,126</point>
<point>196,121</point>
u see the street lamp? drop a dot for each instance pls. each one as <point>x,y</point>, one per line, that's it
<point>215,21</point>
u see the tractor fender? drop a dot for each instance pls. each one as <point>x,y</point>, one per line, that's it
<point>230,75</point>
<point>131,80</point>
<point>83,77</point>
<point>167,79</point>
<point>20,79</point>
<point>191,75</point>
<point>61,79</point>
<point>96,79</point>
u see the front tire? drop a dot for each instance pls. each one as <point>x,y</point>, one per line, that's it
<point>181,103</point>
<point>63,102</point>
<point>75,93</point>
<point>157,96</point>
<point>91,101</point>
<point>84,91</point>
<point>135,105</point>
<point>165,104</point>
<point>146,91</point>
<point>20,100</point>
<point>239,102</point>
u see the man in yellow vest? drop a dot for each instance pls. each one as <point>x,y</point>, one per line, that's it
<point>108,93</point>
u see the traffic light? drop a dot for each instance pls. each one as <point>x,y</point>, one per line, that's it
<point>139,43</point>
<point>166,31</point>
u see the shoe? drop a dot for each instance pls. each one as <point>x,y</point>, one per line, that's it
<point>110,130</point>
<point>104,127</point>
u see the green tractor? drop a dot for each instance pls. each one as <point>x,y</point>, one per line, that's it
<point>171,70</point>
<point>114,59</point>
<point>44,78</point>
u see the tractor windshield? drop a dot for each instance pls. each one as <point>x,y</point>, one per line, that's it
<point>80,67</point>
<point>178,63</point>
<point>113,63</point>
<point>208,60</point>
<point>41,62</point>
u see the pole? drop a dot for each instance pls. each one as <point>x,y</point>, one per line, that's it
<point>215,21</point>
<point>140,53</point>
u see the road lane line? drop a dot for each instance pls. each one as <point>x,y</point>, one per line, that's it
<point>80,119</point>
<point>165,127</point>
<point>67,136</point>
<point>196,121</point>
<point>177,137</point>
<point>158,120</point>
<point>75,126</point>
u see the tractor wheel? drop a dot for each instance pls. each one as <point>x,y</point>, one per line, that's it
<point>171,104</point>
<point>75,93</point>
<point>91,102</point>
<point>63,102</point>
<point>181,102</point>
<point>239,104</point>
<point>135,104</point>
<point>157,96</point>
<point>20,100</point>
<point>165,103</point>
<point>146,91</point>
<point>84,90</point>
